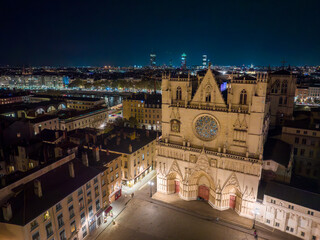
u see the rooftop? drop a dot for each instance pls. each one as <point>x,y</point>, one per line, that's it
<point>293,195</point>
<point>26,205</point>
<point>277,150</point>
<point>119,139</point>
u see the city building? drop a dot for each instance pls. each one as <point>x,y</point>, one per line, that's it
<point>153,57</point>
<point>314,91</point>
<point>289,209</point>
<point>184,61</point>
<point>204,61</point>
<point>212,140</point>
<point>93,118</point>
<point>45,206</point>
<point>303,134</point>
<point>145,108</point>
<point>8,97</point>
<point>81,103</point>
<point>281,89</point>
<point>137,148</point>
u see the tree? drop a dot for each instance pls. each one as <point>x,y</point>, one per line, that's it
<point>133,122</point>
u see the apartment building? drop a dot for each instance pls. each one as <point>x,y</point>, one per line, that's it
<point>137,150</point>
<point>82,103</point>
<point>289,209</point>
<point>93,118</point>
<point>304,136</point>
<point>145,108</point>
<point>44,206</point>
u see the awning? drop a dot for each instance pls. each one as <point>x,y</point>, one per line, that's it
<point>99,212</point>
<point>108,210</point>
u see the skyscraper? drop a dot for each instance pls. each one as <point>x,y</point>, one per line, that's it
<point>184,61</point>
<point>153,59</point>
<point>204,61</point>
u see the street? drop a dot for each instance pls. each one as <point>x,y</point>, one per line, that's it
<point>145,218</point>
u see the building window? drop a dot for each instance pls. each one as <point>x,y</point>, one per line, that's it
<point>89,197</point>
<point>58,207</point>
<point>73,227</point>
<point>208,97</point>
<point>295,151</point>
<point>83,218</point>
<point>81,203</point>
<point>84,231</point>
<point>60,221</point>
<point>46,216</point>
<point>268,221</point>
<point>111,179</point>
<point>304,141</point>
<point>97,205</point>
<point>296,140</point>
<point>243,97</point>
<point>71,211</point>
<point>36,236</point>
<point>311,153</point>
<point>277,224</point>
<point>178,93</point>
<point>111,169</point>
<point>70,199</point>
<point>63,235</point>
<point>290,207</point>
<point>280,100</point>
<point>273,201</point>
<point>298,131</point>
<point>95,180</point>
<point>88,185</point>
<point>96,191</point>
<point>49,230</point>
<point>90,211</point>
<point>116,166</point>
<point>291,229</point>
<point>302,151</point>
<point>284,87</point>
<point>310,213</point>
<point>34,224</point>
<point>142,156</point>
<point>117,175</point>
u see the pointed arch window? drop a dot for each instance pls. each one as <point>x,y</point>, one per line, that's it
<point>178,94</point>
<point>284,87</point>
<point>280,100</point>
<point>243,97</point>
<point>275,87</point>
<point>208,97</point>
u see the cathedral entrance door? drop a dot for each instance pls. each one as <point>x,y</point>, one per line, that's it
<point>177,186</point>
<point>232,202</point>
<point>203,192</point>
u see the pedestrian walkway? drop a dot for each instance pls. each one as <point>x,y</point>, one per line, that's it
<point>140,184</point>
<point>117,207</point>
<point>228,218</point>
<point>204,209</point>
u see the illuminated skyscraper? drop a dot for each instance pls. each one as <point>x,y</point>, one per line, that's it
<point>204,61</point>
<point>184,61</point>
<point>153,59</point>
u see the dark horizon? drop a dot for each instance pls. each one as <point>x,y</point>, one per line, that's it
<point>78,33</point>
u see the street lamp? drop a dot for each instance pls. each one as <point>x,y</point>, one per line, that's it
<point>255,212</point>
<point>150,184</point>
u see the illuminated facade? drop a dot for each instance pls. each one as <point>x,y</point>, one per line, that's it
<point>212,141</point>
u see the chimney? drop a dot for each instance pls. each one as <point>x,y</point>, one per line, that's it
<point>118,141</point>
<point>130,148</point>
<point>71,170</point>
<point>96,154</point>
<point>85,160</point>
<point>37,188</point>
<point>7,211</point>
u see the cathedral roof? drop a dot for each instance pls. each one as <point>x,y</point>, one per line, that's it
<point>278,151</point>
<point>281,72</point>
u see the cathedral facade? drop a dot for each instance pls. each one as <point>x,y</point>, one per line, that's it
<point>213,133</point>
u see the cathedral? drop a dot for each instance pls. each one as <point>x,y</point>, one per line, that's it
<point>213,132</point>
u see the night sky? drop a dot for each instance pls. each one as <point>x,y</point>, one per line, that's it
<point>124,32</point>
